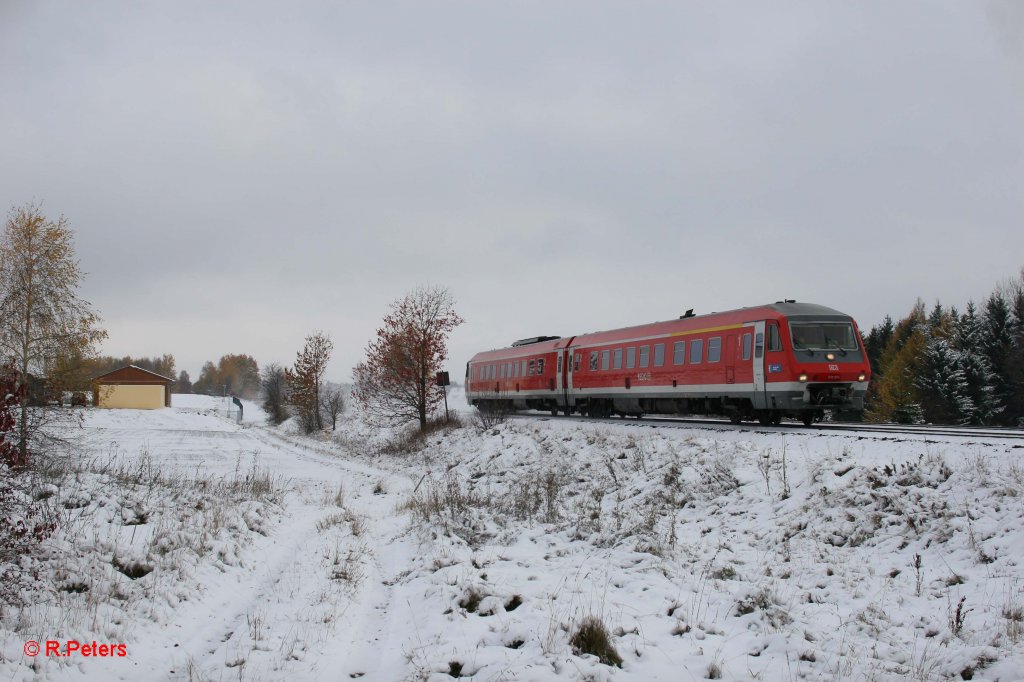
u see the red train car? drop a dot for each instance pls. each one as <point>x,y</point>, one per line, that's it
<point>765,363</point>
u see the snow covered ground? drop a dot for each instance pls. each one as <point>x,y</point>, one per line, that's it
<point>217,550</point>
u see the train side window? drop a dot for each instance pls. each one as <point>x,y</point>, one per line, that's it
<point>515,369</point>
<point>559,368</point>
<point>645,356</point>
<point>523,370</point>
<point>715,349</point>
<point>678,352</point>
<point>593,361</point>
<point>774,341</point>
<point>617,359</point>
<point>746,346</point>
<point>696,351</point>
<point>540,365</point>
<point>533,367</point>
<point>631,357</point>
<point>576,363</point>
<point>501,373</point>
<point>604,359</point>
<point>759,346</point>
<point>659,354</point>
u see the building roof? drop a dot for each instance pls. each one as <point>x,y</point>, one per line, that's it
<point>132,375</point>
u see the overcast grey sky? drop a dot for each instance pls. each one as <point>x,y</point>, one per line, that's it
<point>241,174</point>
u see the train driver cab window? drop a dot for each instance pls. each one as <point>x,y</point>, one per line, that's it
<point>540,365</point>
<point>715,349</point>
<point>593,361</point>
<point>774,340</point>
<point>659,354</point>
<point>645,356</point>
<point>617,359</point>
<point>533,367</point>
<point>678,352</point>
<point>631,357</point>
<point>746,346</point>
<point>604,359</point>
<point>696,351</point>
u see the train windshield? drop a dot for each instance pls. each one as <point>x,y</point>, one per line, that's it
<point>813,336</point>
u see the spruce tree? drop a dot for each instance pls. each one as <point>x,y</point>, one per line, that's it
<point>1015,363</point>
<point>942,381</point>
<point>968,338</point>
<point>876,342</point>
<point>997,343</point>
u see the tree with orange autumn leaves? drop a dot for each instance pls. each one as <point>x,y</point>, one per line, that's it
<point>395,384</point>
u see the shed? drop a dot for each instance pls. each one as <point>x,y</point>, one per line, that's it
<point>132,388</point>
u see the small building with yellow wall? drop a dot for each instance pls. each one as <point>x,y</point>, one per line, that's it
<point>132,388</point>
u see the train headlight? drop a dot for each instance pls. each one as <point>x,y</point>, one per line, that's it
<point>803,377</point>
<point>862,376</point>
<point>830,356</point>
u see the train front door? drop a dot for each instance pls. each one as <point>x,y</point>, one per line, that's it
<point>759,399</point>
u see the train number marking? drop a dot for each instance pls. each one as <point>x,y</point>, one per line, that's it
<point>833,368</point>
<point>643,376</point>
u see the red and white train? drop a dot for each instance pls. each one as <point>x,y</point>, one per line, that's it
<point>786,359</point>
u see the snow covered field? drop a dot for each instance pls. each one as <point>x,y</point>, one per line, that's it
<point>215,550</point>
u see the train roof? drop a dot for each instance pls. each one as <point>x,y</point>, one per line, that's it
<point>787,308</point>
<point>748,314</point>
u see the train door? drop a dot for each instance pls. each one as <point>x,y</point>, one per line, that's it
<point>559,375</point>
<point>759,399</point>
<point>571,367</point>
<point>730,359</point>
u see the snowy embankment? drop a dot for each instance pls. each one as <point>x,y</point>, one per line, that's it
<point>215,550</point>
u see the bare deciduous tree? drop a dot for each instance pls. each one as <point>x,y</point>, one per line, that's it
<point>395,384</point>
<point>333,402</point>
<point>275,392</point>
<point>42,320</point>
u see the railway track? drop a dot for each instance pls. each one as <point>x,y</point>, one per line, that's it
<point>979,432</point>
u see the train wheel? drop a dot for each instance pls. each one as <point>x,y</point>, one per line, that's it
<point>764,419</point>
<point>736,418</point>
<point>807,418</point>
<point>776,418</point>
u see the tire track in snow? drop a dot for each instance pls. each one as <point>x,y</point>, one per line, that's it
<point>358,639</point>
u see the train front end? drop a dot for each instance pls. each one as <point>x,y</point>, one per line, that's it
<point>830,365</point>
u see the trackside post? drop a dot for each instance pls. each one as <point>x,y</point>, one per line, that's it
<point>442,380</point>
